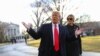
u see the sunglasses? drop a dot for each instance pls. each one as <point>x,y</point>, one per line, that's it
<point>69,18</point>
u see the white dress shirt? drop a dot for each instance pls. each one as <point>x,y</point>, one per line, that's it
<point>53,26</point>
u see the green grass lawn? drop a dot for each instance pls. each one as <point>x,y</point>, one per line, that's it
<point>89,43</point>
<point>34,43</point>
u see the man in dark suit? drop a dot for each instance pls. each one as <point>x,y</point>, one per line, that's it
<point>53,37</point>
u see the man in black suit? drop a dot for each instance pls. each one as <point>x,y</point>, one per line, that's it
<point>53,37</point>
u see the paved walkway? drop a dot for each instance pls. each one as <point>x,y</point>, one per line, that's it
<point>21,49</point>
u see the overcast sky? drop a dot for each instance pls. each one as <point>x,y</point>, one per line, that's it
<point>16,11</point>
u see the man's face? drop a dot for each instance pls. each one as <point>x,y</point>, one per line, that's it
<point>55,17</point>
<point>70,19</point>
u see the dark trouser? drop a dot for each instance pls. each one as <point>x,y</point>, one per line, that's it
<point>50,52</point>
<point>55,53</point>
<point>72,48</point>
<point>80,46</point>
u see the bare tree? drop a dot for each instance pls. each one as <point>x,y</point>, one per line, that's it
<point>43,7</point>
<point>2,31</point>
<point>65,7</point>
<point>39,12</point>
<point>83,19</point>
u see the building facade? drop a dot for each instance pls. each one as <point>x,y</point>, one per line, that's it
<point>11,31</point>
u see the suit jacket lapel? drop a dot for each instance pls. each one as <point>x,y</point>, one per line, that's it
<point>51,33</point>
<point>60,31</point>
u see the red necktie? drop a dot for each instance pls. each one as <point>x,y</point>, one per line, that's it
<point>56,39</point>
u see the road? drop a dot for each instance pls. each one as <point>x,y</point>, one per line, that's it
<point>21,49</point>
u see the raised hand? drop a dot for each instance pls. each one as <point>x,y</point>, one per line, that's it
<point>78,31</point>
<point>27,26</point>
